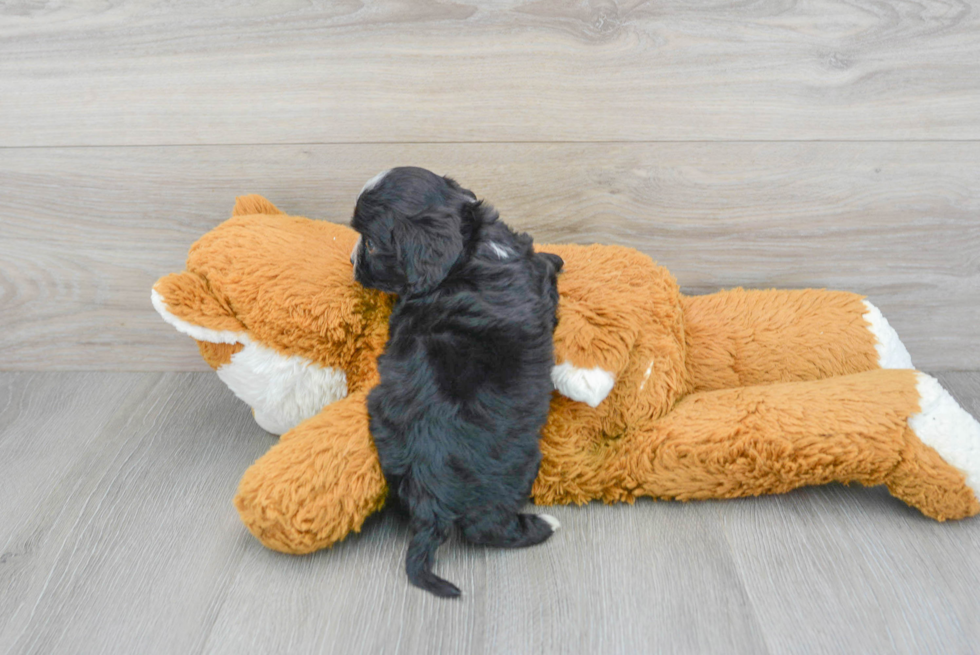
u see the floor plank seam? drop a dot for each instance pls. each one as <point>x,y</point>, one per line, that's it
<point>479,143</point>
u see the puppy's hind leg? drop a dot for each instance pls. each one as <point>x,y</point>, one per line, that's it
<point>509,530</point>
<point>421,556</point>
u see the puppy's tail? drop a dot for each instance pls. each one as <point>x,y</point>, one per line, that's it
<point>418,563</point>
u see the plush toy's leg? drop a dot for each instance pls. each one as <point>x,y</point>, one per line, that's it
<point>618,310</point>
<point>318,484</point>
<point>578,462</point>
<point>739,338</point>
<point>898,428</point>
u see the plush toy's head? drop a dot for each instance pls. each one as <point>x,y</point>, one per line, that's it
<point>278,294</point>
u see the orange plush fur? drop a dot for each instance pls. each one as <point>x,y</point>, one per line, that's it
<point>738,393</point>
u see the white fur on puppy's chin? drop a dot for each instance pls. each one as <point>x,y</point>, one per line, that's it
<point>550,520</point>
<point>948,429</point>
<point>590,386</point>
<point>891,351</point>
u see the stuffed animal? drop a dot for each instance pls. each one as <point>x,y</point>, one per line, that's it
<point>658,394</point>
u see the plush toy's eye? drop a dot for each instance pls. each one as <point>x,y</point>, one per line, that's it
<point>369,245</point>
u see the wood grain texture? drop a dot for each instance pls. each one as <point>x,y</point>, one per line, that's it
<point>88,230</point>
<point>36,439</point>
<point>886,577</point>
<point>131,540</point>
<point>125,72</point>
<point>605,583</point>
<point>124,540</point>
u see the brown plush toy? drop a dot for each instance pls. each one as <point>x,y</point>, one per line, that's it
<point>658,394</point>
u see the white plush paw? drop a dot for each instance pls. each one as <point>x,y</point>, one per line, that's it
<point>891,350</point>
<point>590,386</point>
<point>550,520</point>
<point>948,429</point>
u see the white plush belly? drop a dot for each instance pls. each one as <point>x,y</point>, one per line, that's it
<point>282,391</point>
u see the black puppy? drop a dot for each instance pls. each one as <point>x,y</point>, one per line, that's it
<point>465,376</point>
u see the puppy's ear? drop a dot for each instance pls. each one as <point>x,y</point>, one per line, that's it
<point>478,213</point>
<point>428,245</point>
<point>474,213</point>
<point>454,185</point>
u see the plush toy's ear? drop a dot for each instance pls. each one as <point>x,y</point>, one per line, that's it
<point>428,245</point>
<point>184,301</point>
<point>253,204</point>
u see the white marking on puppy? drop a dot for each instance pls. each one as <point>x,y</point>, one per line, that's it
<point>283,391</point>
<point>500,251</point>
<point>355,251</point>
<point>550,520</point>
<point>195,331</point>
<point>948,429</point>
<point>891,350</point>
<point>590,386</point>
<point>374,181</point>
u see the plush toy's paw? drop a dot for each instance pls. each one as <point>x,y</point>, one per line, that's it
<point>939,472</point>
<point>317,485</point>
<point>948,429</point>
<point>590,386</point>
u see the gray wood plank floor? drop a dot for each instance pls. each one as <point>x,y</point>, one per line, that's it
<point>118,536</point>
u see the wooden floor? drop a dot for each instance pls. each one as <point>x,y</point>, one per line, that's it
<point>773,143</point>
<point>118,536</point>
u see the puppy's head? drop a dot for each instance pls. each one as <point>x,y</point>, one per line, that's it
<point>414,226</point>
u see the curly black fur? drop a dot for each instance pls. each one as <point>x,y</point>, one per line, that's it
<point>465,376</point>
